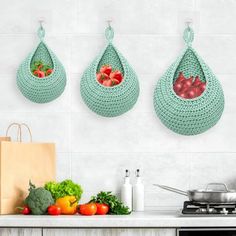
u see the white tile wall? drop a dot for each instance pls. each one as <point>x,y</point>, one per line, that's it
<point>94,150</point>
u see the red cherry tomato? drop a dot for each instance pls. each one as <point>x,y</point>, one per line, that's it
<point>54,210</point>
<point>102,209</point>
<point>25,210</point>
<point>88,209</point>
<point>106,69</point>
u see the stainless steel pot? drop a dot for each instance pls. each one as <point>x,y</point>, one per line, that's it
<point>207,195</point>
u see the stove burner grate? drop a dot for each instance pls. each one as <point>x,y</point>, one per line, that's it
<point>194,208</point>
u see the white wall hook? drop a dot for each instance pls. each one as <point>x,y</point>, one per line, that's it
<point>109,22</point>
<point>188,22</point>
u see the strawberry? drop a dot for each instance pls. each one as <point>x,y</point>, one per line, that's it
<point>106,69</point>
<point>197,81</point>
<point>202,87</point>
<point>116,75</point>
<point>180,78</point>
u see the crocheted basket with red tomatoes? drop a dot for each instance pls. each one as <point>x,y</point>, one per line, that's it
<point>109,101</point>
<point>189,116</point>
<point>48,88</point>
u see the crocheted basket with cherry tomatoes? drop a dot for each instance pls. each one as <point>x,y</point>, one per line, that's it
<point>46,89</point>
<point>109,101</point>
<point>189,116</point>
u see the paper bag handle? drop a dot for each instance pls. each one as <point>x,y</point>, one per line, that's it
<point>27,127</point>
<point>19,131</point>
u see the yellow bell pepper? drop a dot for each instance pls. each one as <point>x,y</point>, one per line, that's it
<point>68,205</point>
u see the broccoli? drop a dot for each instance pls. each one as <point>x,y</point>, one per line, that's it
<point>38,200</point>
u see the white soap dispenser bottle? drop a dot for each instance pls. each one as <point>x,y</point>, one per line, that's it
<point>126,191</point>
<point>138,193</point>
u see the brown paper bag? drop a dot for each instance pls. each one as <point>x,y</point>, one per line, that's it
<point>19,163</point>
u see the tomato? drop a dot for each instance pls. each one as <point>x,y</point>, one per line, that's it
<point>25,210</point>
<point>39,73</point>
<point>54,210</point>
<point>49,71</point>
<point>102,209</point>
<point>107,83</point>
<point>88,209</point>
<point>115,81</point>
<point>116,75</point>
<point>106,69</point>
<point>101,77</point>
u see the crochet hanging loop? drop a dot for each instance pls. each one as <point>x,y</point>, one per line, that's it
<point>109,32</point>
<point>188,36</point>
<point>41,31</point>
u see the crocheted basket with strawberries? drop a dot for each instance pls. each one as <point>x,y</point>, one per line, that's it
<point>188,98</point>
<point>41,77</point>
<point>109,86</point>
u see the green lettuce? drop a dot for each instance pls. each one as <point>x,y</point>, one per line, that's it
<point>64,188</point>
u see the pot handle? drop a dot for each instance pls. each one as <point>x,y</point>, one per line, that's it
<point>217,184</point>
<point>175,190</point>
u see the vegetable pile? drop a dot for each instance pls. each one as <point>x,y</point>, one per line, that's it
<point>189,88</point>
<point>40,69</point>
<point>62,198</point>
<point>108,77</point>
<point>116,207</point>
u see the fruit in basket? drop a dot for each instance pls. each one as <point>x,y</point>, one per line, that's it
<point>106,69</point>
<point>101,77</point>
<point>39,73</point>
<point>116,75</point>
<point>109,78</point>
<point>107,83</point>
<point>41,70</point>
<point>38,200</point>
<point>188,88</point>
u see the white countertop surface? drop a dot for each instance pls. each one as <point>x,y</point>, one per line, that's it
<point>158,219</point>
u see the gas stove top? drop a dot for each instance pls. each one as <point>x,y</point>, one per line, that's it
<point>208,209</point>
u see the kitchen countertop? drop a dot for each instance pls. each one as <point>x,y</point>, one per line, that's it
<point>159,219</point>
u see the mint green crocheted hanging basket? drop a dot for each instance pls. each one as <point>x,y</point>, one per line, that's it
<point>41,90</point>
<point>189,116</point>
<point>109,101</point>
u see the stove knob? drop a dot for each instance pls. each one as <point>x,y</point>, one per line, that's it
<point>234,211</point>
<point>224,211</point>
